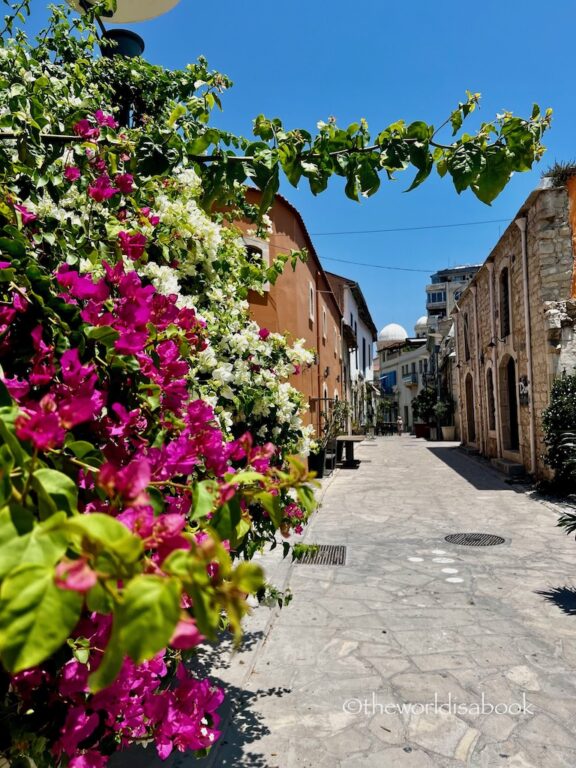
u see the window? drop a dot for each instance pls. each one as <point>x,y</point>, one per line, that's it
<point>363,353</point>
<point>466,338</point>
<point>335,341</point>
<point>419,366</point>
<point>504,303</point>
<point>324,324</point>
<point>258,253</point>
<point>425,366</point>
<point>311,302</point>
<point>491,402</point>
<point>436,297</point>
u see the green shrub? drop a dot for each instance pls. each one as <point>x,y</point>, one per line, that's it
<point>559,421</point>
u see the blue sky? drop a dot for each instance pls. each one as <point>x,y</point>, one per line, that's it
<point>304,61</point>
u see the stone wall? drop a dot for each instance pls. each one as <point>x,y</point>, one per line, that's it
<point>492,346</point>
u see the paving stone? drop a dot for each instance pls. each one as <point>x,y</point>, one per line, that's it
<point>443,733</point>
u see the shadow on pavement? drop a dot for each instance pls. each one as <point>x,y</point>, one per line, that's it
<point>563,597</point>
<point>241,723</point>
<point>244,726</point>
<point>474,472</point>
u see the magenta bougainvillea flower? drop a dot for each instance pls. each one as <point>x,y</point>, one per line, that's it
<point>101,189</point>
<point>132,245</point>
<point>124,182</point>
<point>105,119</point>
<point>72,173</point>
<point>26,214</point>
<point>39,424</point>
<point>85,130</point>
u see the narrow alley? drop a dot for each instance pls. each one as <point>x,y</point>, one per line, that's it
<point>396,657</point>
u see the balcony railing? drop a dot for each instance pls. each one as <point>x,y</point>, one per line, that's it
<point>410,379</point>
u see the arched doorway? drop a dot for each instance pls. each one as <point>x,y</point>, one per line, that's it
<point>509,405</point>
<point>470,421</point>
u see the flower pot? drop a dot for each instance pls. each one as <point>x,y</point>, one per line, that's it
<point>422,430</point>
<point>316,462</point>
<point>448,433</point>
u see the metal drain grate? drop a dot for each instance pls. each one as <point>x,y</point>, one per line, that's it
<point>325,554</point>
<point>475,539</point>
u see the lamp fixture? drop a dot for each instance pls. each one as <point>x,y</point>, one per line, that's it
<point>494,339</point>
<point>327,372</point>
<point>124,41</point>
<point>130,11</point>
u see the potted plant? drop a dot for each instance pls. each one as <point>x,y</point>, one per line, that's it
<point>324,453</point>
<point>443,414</point>
<point>423,409</point>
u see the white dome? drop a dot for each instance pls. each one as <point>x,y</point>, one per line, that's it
<point>421,324</point>
<point>393,332</point>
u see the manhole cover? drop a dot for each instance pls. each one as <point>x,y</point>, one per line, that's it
<point>325,554</point>
<point>475,539</point>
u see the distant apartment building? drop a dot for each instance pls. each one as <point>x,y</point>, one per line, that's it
<point>359,335</point>
<point>301,304</point>
<point>445,289</point>
<point>403,368</point>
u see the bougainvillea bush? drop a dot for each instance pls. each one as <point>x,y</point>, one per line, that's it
<point>146,426</point>
<point>146,423</point>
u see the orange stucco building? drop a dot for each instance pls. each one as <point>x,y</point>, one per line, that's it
<point>300,304</point>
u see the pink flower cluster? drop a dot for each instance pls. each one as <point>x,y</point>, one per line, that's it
<point>138,705</point>
<point>72,400</point>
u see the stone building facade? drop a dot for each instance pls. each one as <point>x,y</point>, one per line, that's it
<point>514,330</point>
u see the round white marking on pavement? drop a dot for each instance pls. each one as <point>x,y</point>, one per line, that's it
<point>416,559</point>
<point>454,580</point>
<point>449,570</point>
<point>438,551</point>
<point>442,560</point>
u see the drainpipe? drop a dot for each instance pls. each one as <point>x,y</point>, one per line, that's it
<point>522,225</point>
<point>478,397</point>
<point>495,376</point>
<point>317,321</point>
<point>458,419</point>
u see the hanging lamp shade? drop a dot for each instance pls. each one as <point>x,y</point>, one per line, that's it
<point>129,11</point>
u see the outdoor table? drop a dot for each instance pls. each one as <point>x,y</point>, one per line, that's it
<point>347,441</point>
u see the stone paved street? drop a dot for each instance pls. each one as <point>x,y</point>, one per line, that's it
<point>411,619</point>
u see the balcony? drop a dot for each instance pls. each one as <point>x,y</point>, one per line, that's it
<point>410,379</point>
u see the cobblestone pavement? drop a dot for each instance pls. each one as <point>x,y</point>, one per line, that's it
<point>395,658</point>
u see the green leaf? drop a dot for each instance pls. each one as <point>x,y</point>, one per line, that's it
<point>272,505</point>
<point>226,519</point>
<point>81,448</point>
<point>7,418</point>
<point>36,616</point>
<point>178,111</point>
<point>248,577</point>
<point>14,248</point>
<point>106,534</point>
<point>22,542</point>
<point>204,496</point>
<point>6,465</point>
<point>148,615</point>
<point>494,176</point>
<point>56,491</point>
<point>5,397</point>
<point>104,334</point>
